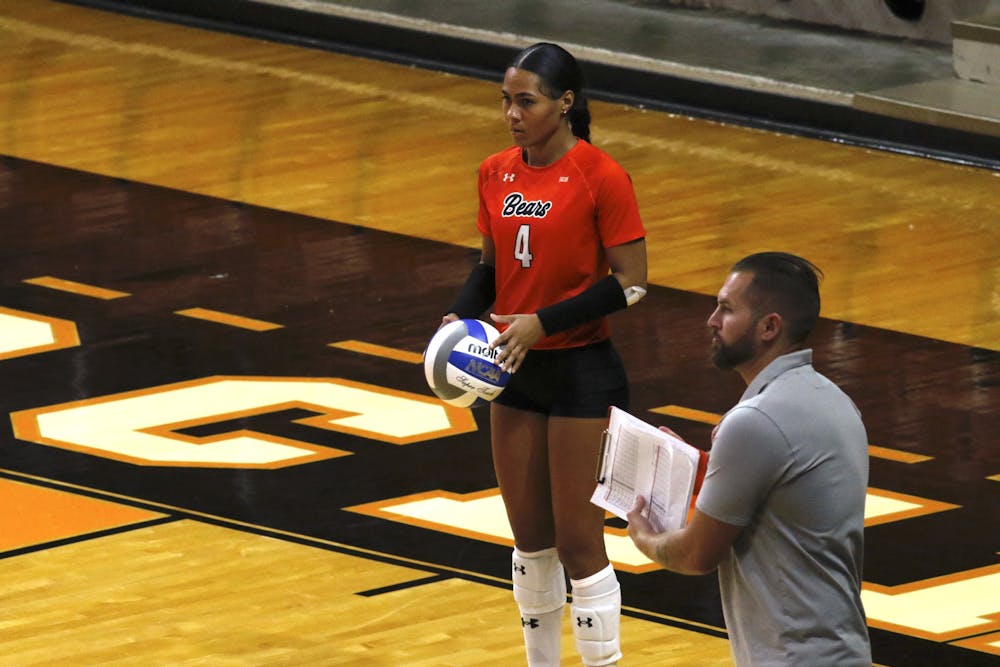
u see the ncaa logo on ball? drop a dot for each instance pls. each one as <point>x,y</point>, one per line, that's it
<point>471,367</point>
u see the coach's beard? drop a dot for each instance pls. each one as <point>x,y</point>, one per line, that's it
<point>727,357</point>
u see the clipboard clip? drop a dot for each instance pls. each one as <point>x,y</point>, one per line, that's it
<point>602,457</point>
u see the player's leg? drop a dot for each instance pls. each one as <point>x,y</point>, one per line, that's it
<point>596,606</point>
<point>574,446</point>
<point>594,380</point>
<point>521,464</point>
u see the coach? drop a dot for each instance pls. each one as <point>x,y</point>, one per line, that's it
<point>781,510</point>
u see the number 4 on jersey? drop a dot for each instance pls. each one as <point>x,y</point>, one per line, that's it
<point>522,246</point>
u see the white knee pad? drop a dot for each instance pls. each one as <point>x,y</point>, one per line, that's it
<point>596,618</point>
<point>539,582</point>
<point>540,592</point>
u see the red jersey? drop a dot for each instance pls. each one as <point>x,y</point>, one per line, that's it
<point>550,226</point>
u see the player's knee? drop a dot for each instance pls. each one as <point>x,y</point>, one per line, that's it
<point>579,557</point>
<point>539,581</point>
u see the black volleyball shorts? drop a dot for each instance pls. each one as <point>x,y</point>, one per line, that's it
<point>571,382</point>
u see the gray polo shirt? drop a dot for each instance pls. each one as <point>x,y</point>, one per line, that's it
<point>790,463</point>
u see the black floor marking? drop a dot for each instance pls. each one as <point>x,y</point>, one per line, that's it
<point>85,537</point>
<point>403,586</point>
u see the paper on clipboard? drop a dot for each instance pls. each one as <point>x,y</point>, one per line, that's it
<point>638,459</point>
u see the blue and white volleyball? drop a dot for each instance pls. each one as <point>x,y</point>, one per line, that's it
<point>459,365</point>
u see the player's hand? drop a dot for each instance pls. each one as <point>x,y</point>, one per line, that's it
<point>448,319</point>
<point>522,332</point>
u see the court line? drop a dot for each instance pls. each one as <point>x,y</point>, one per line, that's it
<point>361,347</point>
<point>76,288</point>
<point>86,537</point>
<point>412,583</point>
<point>897,455</point>
<point>229,319</point>
<point>690,414</point>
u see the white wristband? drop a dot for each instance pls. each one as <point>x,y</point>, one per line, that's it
<point>634,294</point>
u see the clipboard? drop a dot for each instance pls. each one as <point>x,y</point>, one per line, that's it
<point>638,459</point>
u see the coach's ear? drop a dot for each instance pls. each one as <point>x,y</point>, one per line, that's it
<point>770,326</point>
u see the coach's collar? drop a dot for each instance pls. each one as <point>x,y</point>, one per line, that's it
<point>781,364</point>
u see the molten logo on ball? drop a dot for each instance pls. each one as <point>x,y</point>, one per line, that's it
<point>483,350</point>
<point>459,365</point>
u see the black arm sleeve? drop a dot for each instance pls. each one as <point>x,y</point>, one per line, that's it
<point>600,299</point>
<point>478,293</point>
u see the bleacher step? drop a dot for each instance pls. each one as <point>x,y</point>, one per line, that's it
<point>976,49</point>
<point>954,103</point>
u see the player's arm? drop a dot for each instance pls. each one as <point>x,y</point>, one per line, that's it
<point>629,267</point>
<point>479,290</point>
<point>623,287</point>
<point>698,548</point>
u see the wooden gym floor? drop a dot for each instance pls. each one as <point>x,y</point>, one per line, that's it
<point>221,259</point>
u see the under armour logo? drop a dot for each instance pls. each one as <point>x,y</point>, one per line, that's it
<point>564,179</point>
<point>508,178</point>
<point>519,569</point>
<point>584,621</point>
<point>529,623</point>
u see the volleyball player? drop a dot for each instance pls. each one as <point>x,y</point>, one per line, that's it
<point>563,246</point>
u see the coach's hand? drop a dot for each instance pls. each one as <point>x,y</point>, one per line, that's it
<point>641,530</point>
<point>522,332</point>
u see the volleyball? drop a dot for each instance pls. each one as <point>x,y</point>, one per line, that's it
<point>459,365</point>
